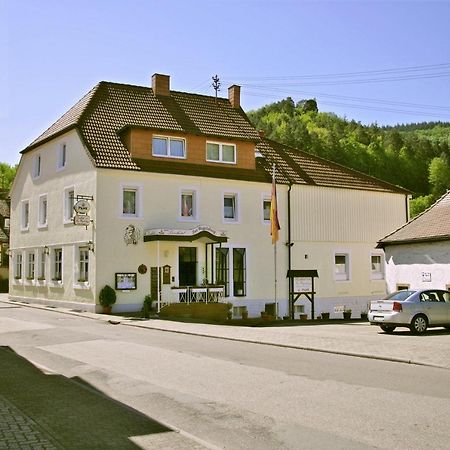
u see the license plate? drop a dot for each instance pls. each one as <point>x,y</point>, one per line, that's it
<point>378,318</point>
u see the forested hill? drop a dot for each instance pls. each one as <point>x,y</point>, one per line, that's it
<point>414,156</point>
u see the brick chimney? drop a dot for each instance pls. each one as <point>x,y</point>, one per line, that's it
<point>234,96</point>
<point>161,84</point>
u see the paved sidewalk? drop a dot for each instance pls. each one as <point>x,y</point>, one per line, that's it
<point>350,338</point>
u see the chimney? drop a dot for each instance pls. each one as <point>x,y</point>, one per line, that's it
<point>161,84</point>
<point>234,96</point>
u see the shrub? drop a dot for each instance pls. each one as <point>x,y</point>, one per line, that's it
<point>4,285</point>
<point>107,296</point>
<point>147,306</point>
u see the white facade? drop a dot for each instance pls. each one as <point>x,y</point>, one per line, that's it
<point>329,226</point>
<point>418,266</point>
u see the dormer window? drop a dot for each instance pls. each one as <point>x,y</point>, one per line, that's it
<point>219,152</point>
<point>169,147</point>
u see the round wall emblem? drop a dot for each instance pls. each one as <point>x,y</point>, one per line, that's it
<point>142,269</point>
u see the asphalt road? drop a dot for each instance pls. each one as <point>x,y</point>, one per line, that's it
<point>198,392</point>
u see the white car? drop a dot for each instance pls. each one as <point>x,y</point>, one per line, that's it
<point>416,310</point>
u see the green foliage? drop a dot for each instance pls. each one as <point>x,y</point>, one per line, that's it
<point>414,156</point>
<point>147,306</point>
<point>7,174</point>
<point>216,312</point>
<point>107,296</point>
<point>420,204</point>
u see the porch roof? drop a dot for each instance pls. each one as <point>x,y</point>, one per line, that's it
<point>202,231</point>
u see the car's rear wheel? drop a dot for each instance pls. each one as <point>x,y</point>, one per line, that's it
<point>387,328</point>
<point>419,324</point>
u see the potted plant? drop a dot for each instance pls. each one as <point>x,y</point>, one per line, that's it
<point>347,313</point>
<point>107,298</point>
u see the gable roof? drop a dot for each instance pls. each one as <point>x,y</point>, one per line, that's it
<point>431,225</point>
<point>110,108</point>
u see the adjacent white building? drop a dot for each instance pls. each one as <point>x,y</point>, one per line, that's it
<point>418,253</point>
<point>182,182</point>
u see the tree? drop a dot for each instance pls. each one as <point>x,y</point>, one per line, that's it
<point>439,175</point>
<point>7,174</point>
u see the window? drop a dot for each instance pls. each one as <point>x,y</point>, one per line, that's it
<point>37,166</point>
<point>25,215</point>
<point>169,147</point>
<point>30,266</point>
<point>7,222</point>
<point>18,266</point>
<point>69,202</point>
<point>223,269</point>
<point>83,257</point>
<point>218,152</point>
<point>230,207</point>
<point>57,264</point>
<point>131,201</point>
<point>42,257</point>
<point>376,267</point>
<point>61,159</point>
<point>239,272</point>
<point>341,267</point>
<point>188,205</point>
<point>42,215</point>
<point>266,210</point>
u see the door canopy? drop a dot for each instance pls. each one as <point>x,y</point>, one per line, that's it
<point>200,232</point>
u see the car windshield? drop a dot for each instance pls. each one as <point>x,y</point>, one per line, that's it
<point>399,295</point>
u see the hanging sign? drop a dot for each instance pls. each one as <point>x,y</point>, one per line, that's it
<point>82,207</point>
<point>82,219</point>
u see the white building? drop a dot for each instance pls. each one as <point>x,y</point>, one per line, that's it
<point>182,182</point>
<point>418,253</point>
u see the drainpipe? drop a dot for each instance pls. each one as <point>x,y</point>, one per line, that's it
<point>289,246</point>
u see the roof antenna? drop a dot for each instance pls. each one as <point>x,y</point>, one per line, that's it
<point>216,84</point>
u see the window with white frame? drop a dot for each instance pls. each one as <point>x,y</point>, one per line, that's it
<point>18,266</point>
<point>230,213</point>
<point>37,166</point>
<point>30,265</point>
<point>341,266</point>
<point>61,158</point>
<point>188,205</point>
<point>83,264</point>
<point>42,211</point>
<point>376,266</point>
<point>266,209</point>
<point>170,147</point>
<point>25,215</point>
<point>57,264</point>
<point>69,202</point>
<point>220,152</point>
<point>42,264</point>
<point>236,278</point>
<point>130,201</point>
<point>7,223</point>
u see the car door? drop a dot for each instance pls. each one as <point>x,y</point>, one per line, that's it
<point>433,306</point>
<point>445,297</point>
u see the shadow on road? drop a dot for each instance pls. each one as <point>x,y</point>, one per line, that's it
<point>68,412</point>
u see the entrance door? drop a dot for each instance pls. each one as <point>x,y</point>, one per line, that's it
<point>187,266</point>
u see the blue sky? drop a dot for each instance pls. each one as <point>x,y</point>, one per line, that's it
<point>372,61</point>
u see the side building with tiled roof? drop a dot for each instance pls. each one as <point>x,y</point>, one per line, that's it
<point>418,253</point>
<point>182,182</point>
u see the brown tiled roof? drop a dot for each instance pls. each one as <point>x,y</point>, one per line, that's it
<point>432,225</point>
<point>109,108</point>
<point>298,167</point>
<point>4,208</point>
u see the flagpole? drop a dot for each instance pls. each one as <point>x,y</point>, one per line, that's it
<point>275,267</point>
<point>274,232</point>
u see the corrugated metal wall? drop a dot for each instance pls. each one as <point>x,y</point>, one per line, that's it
<point>344,215</point>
